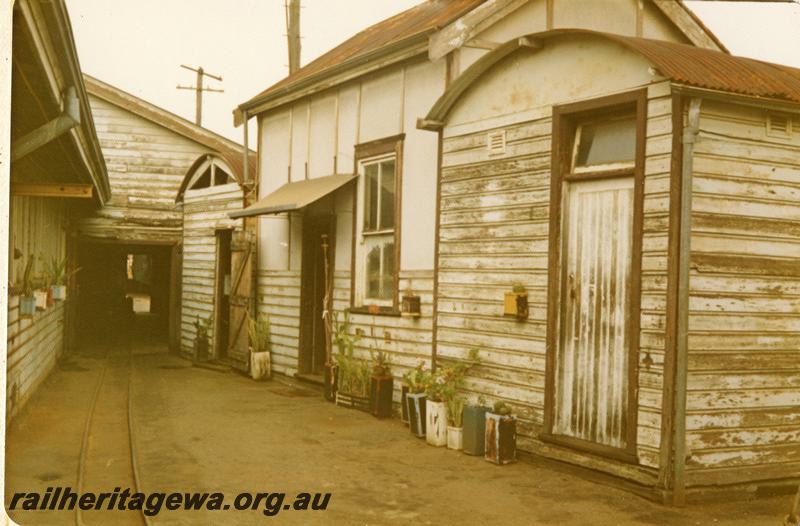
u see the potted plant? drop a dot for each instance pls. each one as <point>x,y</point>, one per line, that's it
<point>381,386</point>
<point>454,377</point>
<point>41,291</point>
<point>57,269</point>
<point>501,435</point>
<point>27,302</point>
<point>353,388</point>
<point>436,409</point>
<point>515,304</point>
<point>455,422</point>
<point>201,338</point>
<point>345,342</point>
<point>416,379</point>
<point>352,374</point>
<point>474,427</point>
<point>260,348</point>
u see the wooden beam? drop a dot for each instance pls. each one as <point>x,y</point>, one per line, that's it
<point>466,28</point>
<point>80,191</point>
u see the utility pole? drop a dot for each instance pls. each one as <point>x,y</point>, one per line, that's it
<point>199,89</point>
<point>293,34</point>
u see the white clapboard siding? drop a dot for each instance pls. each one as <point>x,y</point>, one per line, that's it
<point>204,212</point>
<point>494,233</point>
<point>743,401</point>
<point>37,227</point>
<point>146,163</point>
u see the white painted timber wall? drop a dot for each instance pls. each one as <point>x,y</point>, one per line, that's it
<point>37,227</point>
<point>495,228</point>
<point>316,138</point>
<point>146,163</point>
<point>204,212</point>
<point>743,401</point>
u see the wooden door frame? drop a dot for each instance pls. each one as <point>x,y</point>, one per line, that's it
<point>303,363</point>
<point>565,118</point>
<point>218,287</point>
<point>175,296</point>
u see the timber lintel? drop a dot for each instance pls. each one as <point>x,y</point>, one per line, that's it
<point>81,191</point>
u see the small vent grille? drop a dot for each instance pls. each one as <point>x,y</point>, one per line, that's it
<point>779,125</point>
<point>496,142</point>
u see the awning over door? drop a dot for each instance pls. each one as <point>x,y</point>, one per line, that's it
<point>294,196</point>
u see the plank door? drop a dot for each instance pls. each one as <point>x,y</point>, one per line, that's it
<point>592,369</point>
<point>241,297</point>
<point>316,231</point>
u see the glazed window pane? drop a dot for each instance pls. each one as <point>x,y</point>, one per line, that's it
<point>608,142</point>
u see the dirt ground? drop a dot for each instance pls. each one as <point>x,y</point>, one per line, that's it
<point>204,430</point>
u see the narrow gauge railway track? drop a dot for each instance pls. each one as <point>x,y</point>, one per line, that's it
<point>108,447</point>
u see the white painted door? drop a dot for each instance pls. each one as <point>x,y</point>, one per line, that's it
<point>592,360</point>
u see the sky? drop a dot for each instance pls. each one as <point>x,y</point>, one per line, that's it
<point>140,45</point>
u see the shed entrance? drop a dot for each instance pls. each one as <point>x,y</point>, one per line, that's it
<point>126,289</point>
<point>318,234</point>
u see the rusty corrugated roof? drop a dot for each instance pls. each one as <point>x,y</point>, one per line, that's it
<point>704,68</point>
<point>415,22</point>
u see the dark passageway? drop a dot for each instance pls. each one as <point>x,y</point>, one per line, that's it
<point>124,289</point>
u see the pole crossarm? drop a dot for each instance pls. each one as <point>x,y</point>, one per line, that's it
<point>199,88</point>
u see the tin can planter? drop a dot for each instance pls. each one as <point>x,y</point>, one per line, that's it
<point>436,423</point>
<point>331,381</point>
<point>415,403</point>
<point>501,438</point>
<point>41,299</point>
<point>474,430</point>
<point>381,389</point>
<point>403,404</point>
<point>352,401</point>
<point>59,292</point>
<point>455,438</point>
<point>27,306</point>
<point>410,306</point>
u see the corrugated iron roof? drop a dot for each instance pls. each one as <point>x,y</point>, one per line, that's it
<point>418,21</point>
<point>704,68</point>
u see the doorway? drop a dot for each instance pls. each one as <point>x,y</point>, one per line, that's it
<point>223,289</point>
<point>317,233</point>
<point>592,379</point>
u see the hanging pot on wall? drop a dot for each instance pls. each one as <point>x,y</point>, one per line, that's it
<point>59,292</point>
<point>27,306</point>
<point>436,423</point>
<point>41,299</point>
<point>416,413</point>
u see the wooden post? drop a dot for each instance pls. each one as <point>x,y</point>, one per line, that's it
<point>293,34</point>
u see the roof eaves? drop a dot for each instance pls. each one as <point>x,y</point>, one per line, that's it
<point>160,116</point>
<point>395,52</point>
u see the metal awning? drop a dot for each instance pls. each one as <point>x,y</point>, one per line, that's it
<point>294,196</point>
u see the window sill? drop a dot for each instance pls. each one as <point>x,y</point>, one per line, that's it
<point>375,310</point>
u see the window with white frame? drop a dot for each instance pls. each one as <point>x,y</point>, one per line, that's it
<point>376,266</point>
